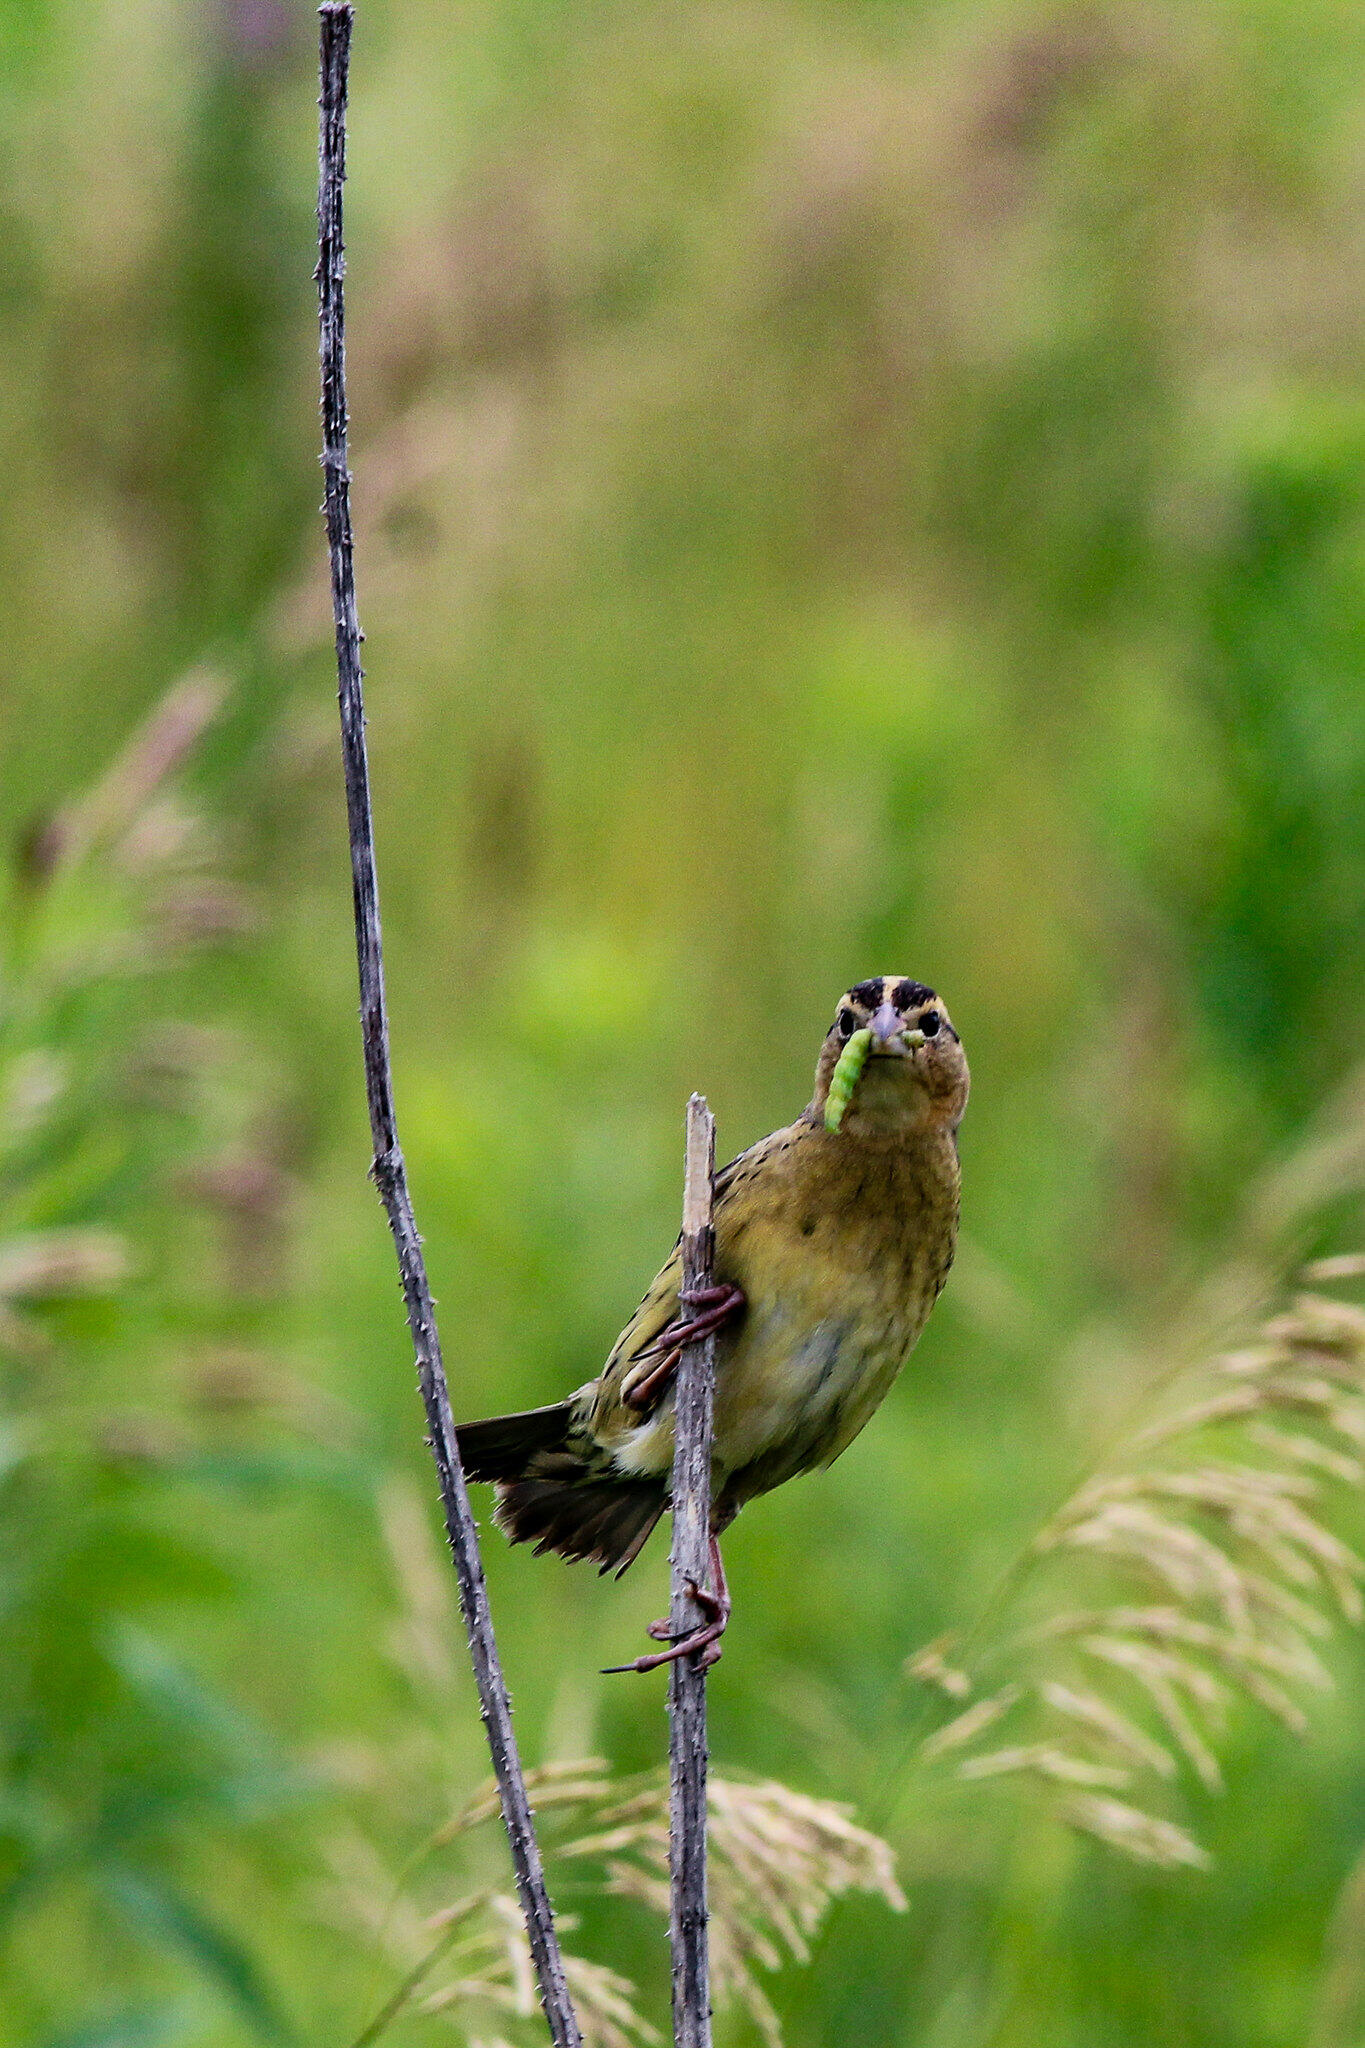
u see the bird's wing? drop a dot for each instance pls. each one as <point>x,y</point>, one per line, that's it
<point>612,1414</point>
<point>733,1181</point>
<point>734,1189</point>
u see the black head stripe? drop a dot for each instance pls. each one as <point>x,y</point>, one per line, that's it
<point>868,994</point>
<point>910,994</point>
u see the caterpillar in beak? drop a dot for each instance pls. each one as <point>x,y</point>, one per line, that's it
<point>845,1078</point>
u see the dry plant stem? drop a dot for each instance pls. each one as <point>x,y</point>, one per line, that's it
<point>389,1174</point>
<point>690,1557</point>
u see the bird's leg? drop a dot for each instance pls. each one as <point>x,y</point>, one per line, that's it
<point>703,1641</point>
<point>712,1308</point>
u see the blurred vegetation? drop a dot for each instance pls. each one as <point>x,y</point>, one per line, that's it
<point>842,485</point>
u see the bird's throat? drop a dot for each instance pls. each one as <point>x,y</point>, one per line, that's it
<point>889,1104</point>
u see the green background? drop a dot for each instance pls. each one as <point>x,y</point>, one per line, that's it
<point>839,489</point>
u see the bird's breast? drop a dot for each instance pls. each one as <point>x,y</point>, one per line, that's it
<point>840,1271</point>
<point>841,1250</point>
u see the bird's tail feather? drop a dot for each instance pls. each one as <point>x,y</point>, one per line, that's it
<point>604,1519</point>
<point>504,1446</point>
<point>551,1494</point>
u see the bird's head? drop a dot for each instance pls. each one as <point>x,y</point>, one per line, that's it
<point>913,1072</point>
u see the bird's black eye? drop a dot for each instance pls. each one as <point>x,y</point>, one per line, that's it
<point>847,1022</point>
<point>929,1023</point>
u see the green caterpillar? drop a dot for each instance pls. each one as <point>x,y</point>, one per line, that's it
<point>845,1078</point>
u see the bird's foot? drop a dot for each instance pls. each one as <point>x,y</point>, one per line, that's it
<point>713,1308</point>
<point>703,1641</point>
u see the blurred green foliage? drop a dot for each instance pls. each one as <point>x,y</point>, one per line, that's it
<point>840,487</point>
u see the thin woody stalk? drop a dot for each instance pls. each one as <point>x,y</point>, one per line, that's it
<point>389,1174</point>
<point>689,1558</point>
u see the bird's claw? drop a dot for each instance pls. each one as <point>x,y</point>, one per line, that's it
<point>711,1605</point>
<point>713,1307</point>
<point>701,1642</point>
<point>643,1393</point>
<point>722,1296</point>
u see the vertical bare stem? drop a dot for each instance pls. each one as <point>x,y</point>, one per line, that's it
<point>691,1532</point>
<point>389,1173</point>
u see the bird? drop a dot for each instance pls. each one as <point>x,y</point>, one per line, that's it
<point>833,1239</point>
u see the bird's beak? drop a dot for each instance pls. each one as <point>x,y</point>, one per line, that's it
<point>889,1029</point>
<point>887,1024</point>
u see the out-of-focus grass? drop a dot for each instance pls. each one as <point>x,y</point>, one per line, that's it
<point>838,488</point>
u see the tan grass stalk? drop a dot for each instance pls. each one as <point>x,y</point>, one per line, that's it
<point>1209,1544</point>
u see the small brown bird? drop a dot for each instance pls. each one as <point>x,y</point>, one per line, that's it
<point>832,1245</point>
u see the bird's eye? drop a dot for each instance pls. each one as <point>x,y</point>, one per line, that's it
<point>847,1022</point>
<point>929,1023</point>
